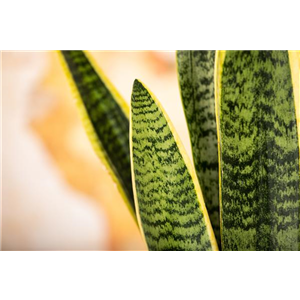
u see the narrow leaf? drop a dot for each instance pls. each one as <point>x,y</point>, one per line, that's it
<point>105,117</point>
<point>259,151</point>
<point>196,81</point>
<point>170,207</point>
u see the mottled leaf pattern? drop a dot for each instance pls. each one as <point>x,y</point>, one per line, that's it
<point>105,117</point>
<point>196,80</point>
<point>249,133</point>
<point>259,151</point>
<point>170,206</point>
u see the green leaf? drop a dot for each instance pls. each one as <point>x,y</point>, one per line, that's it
<point>105,115</point>
<point>259,151</point>
<point>196,81</point>
<point>170,207</point>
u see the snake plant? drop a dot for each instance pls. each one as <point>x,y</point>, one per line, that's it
<point>243,114</point>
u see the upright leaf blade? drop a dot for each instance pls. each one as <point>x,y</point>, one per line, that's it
<point>169,202</point>
<point>259,151</point>
<point>196,81</point>
<point>105,118</point>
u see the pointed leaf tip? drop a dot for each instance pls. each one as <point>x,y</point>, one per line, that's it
<point>169,203</point>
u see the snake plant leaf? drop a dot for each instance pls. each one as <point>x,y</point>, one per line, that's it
<point>259,150</point>
<point>196,81</point>
<point>169,203</point>
<point>105,116</point>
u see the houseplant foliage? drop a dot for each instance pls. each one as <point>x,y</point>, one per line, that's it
<point>242,111</point>
<point>259,151</point>
<point>196,81</point>
<point>170,204</point>
<point>105,116</point>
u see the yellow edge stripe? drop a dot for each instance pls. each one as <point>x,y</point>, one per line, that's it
<point>190,169</point>
<point>92,135</point>
<point>294,57</point>
<point>117,96</point>
<point>219,60</point>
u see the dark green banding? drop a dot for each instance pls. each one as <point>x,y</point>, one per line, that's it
<point>196,81</point>
<point>168,206</point>
<point>259,153</point>
<point>110,123</point>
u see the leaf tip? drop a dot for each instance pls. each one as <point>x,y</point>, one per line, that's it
<point>137,84</point>
<point>138,87</point>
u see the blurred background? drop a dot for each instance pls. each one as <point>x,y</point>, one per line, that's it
<point>56,194</point>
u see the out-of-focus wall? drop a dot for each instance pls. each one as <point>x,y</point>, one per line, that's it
<point>56,193</point>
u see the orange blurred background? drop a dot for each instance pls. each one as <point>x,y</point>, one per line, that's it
<point>56,193</point>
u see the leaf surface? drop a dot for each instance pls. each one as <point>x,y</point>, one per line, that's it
<point>104,115</point>
<point>259,151</point>
<point>170,206</point>
<point>196,81</point>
